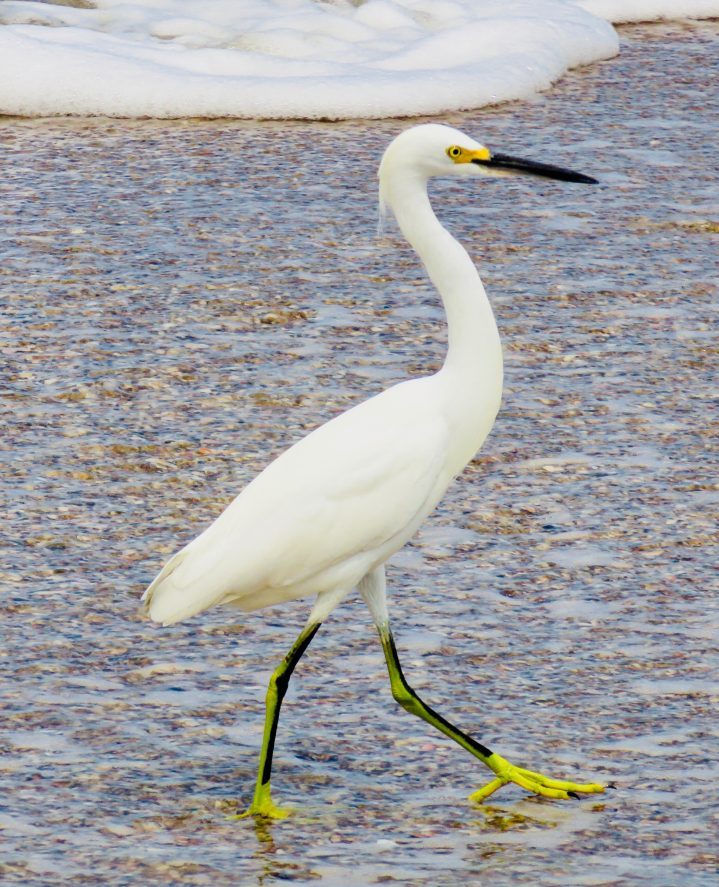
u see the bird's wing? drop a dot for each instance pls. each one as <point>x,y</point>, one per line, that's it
<point>346,489</point>
<point>362,496</point>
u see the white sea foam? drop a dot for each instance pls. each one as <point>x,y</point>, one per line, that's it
<point>622,11</point>
<point>299,58</point>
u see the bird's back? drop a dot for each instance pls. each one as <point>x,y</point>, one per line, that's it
<point>322,514</point>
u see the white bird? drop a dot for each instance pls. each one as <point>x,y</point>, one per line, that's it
<point>324,517</point>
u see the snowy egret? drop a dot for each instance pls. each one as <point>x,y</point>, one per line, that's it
<point>327,513</point>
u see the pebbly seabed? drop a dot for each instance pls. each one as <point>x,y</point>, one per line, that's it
<point>182,300</point>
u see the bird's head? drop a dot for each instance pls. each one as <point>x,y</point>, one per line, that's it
<point>432,149</point>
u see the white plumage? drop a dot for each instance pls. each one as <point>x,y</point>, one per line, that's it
<point>343,499</point>
<point>324,517</point>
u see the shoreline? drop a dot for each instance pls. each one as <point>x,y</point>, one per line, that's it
<point>660,29</point>
<point>182,300</point>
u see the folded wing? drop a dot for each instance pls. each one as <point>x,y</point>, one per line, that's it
<point>320,515</point>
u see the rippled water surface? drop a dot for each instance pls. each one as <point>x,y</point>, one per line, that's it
<point>180,301</point>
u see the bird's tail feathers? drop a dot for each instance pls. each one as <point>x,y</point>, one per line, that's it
<point>151,600</point>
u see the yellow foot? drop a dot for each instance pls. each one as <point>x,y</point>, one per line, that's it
<point>268,811</point>
<point>532,782</point>
<point>263,806</point>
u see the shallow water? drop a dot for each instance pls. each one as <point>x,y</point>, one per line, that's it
<point>184,300</point>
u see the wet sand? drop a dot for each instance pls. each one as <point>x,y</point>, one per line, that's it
<point>182,300</point>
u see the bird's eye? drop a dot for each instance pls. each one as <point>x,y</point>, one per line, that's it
<point>454,151</point>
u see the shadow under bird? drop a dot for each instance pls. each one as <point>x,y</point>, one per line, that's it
<point>323,518</point>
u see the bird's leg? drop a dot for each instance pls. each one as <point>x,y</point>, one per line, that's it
<point>262,804</point>
<point>503,770</point>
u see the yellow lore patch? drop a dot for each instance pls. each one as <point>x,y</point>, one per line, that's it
<point>465,155</point>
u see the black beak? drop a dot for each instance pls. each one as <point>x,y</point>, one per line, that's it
<point>533,168</point>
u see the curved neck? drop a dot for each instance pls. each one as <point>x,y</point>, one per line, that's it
<point>474,344</point>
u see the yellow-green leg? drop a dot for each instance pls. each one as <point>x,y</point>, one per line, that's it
<point>262,804</point>
<point>503,770</point>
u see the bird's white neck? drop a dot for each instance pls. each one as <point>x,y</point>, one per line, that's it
<point>474,356</point>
